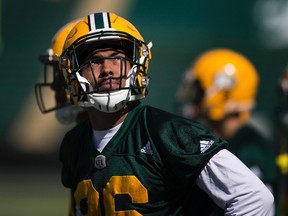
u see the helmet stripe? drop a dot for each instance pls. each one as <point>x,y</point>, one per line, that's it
<point>99,21</point>
<point>106,18</point>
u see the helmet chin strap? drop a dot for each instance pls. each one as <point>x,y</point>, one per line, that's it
<point>107,102</point>
<point>83,82</point>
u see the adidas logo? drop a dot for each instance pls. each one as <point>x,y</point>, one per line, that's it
<point>205,144</point>
<point>147,149</point>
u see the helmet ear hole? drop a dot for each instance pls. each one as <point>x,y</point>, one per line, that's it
<point>142,82</point>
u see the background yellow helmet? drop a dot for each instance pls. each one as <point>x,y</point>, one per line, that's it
<point>105,30</point>
<point>59,38</point>
<point>53,76</point>
<point>229,83</point>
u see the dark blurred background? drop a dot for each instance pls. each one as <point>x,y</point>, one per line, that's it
<point>180,31</point>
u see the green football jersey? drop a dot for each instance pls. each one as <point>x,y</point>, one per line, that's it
<point>256,152</point>
<point>149,167</point>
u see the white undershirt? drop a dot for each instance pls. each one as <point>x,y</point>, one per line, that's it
<point>234,187</point>
<point>101,137</point>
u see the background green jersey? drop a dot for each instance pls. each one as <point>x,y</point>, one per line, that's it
<point>255,150</point>
<point>148,168</point>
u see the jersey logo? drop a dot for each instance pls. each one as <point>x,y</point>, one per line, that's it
<point>147,149</point>
<point>100,162</point>
<point>205,144</point>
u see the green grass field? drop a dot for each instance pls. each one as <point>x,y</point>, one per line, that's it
<point>30,184</point>
<point>32,193</point>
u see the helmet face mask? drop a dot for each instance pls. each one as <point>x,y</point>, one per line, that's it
<point>97,83</point>
<point>51,92</point>
<point>190,95</point>
<point>116,34</point>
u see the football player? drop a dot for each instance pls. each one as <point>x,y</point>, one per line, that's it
<point>134,159</point>
<point>220,90</point>
<point>54,83</point>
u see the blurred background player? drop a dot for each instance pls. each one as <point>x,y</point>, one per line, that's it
<point>220,90</point>
<point>51,94</point>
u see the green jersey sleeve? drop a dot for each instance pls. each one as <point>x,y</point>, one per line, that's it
<point>185,146</point>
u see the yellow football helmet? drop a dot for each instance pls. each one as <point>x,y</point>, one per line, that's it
<point>223,82</point>
<point>98,31</point>
<point>53,76</point>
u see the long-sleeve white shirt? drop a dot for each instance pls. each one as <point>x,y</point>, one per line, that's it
<point>234,187</point>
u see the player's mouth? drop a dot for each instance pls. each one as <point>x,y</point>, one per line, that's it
<point>108,85</point>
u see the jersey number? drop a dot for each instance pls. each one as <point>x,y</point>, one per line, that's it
<point>130,185</point>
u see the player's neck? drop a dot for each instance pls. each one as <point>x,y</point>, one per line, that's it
<point>104,121</point>
<point>229,127</point>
